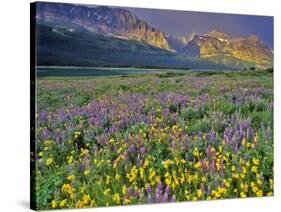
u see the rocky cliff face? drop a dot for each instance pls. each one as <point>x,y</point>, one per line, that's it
<point>222,48</point>
<point>111,21</point>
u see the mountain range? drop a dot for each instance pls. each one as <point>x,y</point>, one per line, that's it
<point>222,48</point>
<point>129,36</point>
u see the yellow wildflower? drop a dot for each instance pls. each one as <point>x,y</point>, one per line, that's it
<point>106,191</point>
<point>79,204</point>
<point>221,190</point>
<point>183,161</point>
<point>199,192</point>
<point>254,169</point>
<point>195,152</point>
<point>116,198</point>
<point>77,134</point>
<point>48,142</point>
<point>197,165</point>
<point>117,176</point>
<point>63,203</point>
<point>254,188</point>
<point>259,193</point>
<point>244,142</point>
<point>269,194</point>
<point>256,138</point>
<point>93,203</point>
<point>166,163</point>
<point>141,173</point>
<point>71,177</point>
<point>217,194</point>
<point>127,201</point>
<point>86,199</point>
<point>168,180</point>
<point>68,188</point>
<point>133,174</point>
<point>146,163</point>
<point>242,194</point>
<point>84,151</point>
<point>157,178</point>
<point>235,175</point>
<point>124,189</point>
<point>86,172</point>
<point>70,159</point>
<point>152,174</point>
<point>227,184</point>
<point>107,179</point>
<point>49,161</point>
<point>203,179</point>
<point>255,161</point>
<point>54,203</point>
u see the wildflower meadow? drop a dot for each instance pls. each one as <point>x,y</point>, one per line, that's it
<point>153,138</point>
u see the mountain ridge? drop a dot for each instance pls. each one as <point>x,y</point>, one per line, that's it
<point>74,46</point>
<point>216,46</point>
<point>102,19</point>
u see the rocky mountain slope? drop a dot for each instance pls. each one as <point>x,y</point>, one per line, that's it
<point>222,48</point>
<point>112,21</point>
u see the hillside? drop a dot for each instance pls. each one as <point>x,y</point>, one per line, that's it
<point>74,46</point>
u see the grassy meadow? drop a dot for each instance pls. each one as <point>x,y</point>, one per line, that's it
<point>111,137</point>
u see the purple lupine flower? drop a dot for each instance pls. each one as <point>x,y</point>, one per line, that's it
<point>165,197</point>
<point>45,134</point>
<point>126,155</point>
<point>210,136</point>
<point>136,194</point>
<point>138,159</point>
<point>142,150</point>
<point>132,148</point>
<point>128,193</point>
<point>168,189</point>
<point>148,188</point>
<point>159,185</point>
<point>158,197</point>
